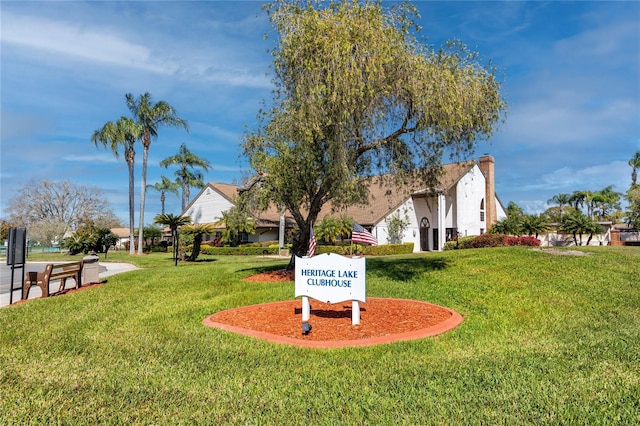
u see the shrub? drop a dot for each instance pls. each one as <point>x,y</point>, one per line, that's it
<point>491,240</point>
<point>238,251</point>
<point>382,250</point>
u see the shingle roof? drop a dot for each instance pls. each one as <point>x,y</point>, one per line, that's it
<point>384,196</point>
<point>121,232</point>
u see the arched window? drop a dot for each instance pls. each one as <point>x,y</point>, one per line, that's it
<point>482,210</point>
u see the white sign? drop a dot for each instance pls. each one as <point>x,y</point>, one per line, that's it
<point>331,278</point>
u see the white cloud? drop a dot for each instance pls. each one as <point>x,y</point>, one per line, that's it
<point>592,178</point>
<point>78,42</point>
<point>93,158</point>
<point>60,42</point>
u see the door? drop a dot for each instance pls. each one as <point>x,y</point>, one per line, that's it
<point>424,234</point>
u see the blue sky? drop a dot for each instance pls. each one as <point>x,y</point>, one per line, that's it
<point>571,80</point>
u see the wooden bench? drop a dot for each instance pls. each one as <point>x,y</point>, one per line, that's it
<point>52,272</point>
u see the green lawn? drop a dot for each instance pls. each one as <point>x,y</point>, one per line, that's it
<point>546,339</point>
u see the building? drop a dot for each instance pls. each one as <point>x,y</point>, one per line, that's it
<point>464,203</point>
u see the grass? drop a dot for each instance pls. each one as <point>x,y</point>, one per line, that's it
<point>546,340</point>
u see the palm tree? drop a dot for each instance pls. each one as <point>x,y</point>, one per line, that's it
<point>578,223</point>
<point>561,200</point>
<point>123,132</point>
<point>635,165</point>
<point>533,224</point>
<point>165,186</point>
<point>198,230</point>
<point>236,221</point>
<point>191,180</point>
<point>185,159</point>
<point>173,222</point>
<point>327,230</point>
<point>578,198</point>
<point>605,202</point>
<point>150,117</point>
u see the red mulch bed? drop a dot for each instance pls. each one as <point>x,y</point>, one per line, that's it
<point>381,320</point>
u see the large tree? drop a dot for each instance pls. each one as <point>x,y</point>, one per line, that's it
<point>122,134</point>
<point>63,205</point>
<point>150,117</point>
<point>356,94</point>
<point>186,160</point>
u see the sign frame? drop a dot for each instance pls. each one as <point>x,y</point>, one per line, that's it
<point>331,278</point>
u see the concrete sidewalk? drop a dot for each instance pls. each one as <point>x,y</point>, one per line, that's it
<point>105,269</point>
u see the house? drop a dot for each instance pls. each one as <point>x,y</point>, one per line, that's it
<point>464,203</point>
<point>123,237</point>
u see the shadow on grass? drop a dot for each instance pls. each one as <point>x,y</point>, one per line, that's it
<point>405,269</point>
<point>395,269</point>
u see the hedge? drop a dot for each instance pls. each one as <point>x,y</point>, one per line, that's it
<point>246,250</point>
<point>491,240</point>
<point>238,251</point>
<point>382,250</point>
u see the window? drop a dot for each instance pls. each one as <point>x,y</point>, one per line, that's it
<point>482,210</point>
<point>451,234</point>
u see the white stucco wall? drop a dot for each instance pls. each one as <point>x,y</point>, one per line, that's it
<point>208,207</point>
<point>461,210</point>
<point>470,192</point>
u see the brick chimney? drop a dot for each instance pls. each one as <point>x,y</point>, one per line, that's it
<point>487,168</point>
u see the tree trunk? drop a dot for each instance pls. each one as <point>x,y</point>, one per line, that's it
<point>197,242</point>
<point>132,234</point>
<point>145,156</point>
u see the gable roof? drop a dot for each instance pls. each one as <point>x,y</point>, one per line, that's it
<point>121,232</point>
<point>384,196</point>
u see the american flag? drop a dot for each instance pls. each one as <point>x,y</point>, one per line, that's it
<point>312,243</point>
<point>361,235</point>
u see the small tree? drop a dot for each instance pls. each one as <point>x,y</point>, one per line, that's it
<point>236,221</point>
<point>578,224</point>
<point>106,239</point>
<point>173,222</point>
<point>633,209</point>
<point>197,231</point>
<point>4,229</point>
<point>78,243</point>
<point>512,224</point>
<point>396,227</point>
<point>533,225</point>
<point>151,233</point>
<point>327,230</point>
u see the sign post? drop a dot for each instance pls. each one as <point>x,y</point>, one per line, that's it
<point>16,256</point>
<point>331,278</point>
